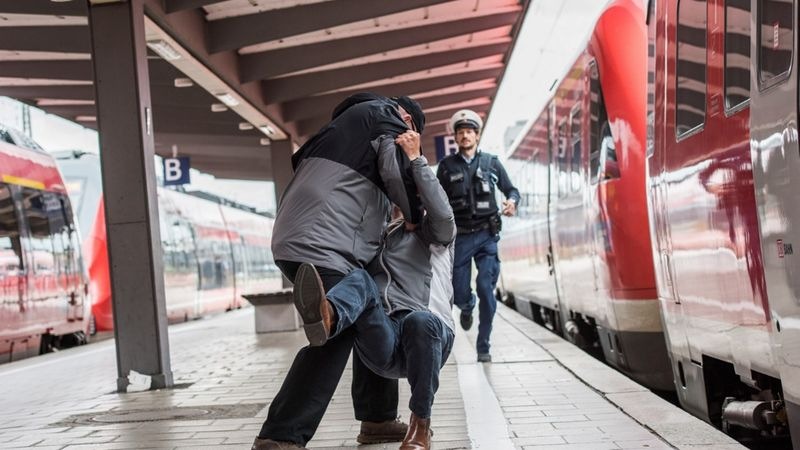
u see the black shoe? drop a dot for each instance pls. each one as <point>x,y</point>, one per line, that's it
<point>314,308</point>
<point>484,357</point>
<point>466,321</point>
<point>269,444</point>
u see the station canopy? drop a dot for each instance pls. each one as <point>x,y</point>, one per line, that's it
<point>229,77</point>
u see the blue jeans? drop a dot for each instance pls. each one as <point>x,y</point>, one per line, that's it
<point>297,409</point>
<point>413,344</point>
<point>482,246</point>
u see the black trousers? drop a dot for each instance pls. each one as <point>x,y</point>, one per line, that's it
<point>297,409</point>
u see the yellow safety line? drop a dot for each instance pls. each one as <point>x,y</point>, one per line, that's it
<point>23,182</point>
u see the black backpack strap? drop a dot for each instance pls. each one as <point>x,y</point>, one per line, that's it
<point>486,163</point>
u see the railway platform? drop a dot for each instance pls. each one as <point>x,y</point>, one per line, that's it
<point>540,392</point>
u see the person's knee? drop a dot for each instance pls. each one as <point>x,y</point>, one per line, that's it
<point>420,323</point>
<point>363,278</point>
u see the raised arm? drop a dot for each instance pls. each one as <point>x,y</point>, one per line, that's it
<point>508,189</point>
<point>398,183</point>
<point>438,225</point>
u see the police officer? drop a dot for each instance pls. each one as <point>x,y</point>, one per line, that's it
<point>471,178</point>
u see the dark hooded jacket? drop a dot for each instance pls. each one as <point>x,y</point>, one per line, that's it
<point>335,208</point>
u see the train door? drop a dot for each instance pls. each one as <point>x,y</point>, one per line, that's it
<point>600,154</point>
<point>66,244</point>
<point>776,172</point>
<point>235,226</point>
<point>542,165</point>
<point>555,187</point>
<point>659,134</point>
<point>552,189</point>
<point>12,266</point>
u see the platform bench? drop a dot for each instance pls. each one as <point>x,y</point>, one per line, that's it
<point>274,311</point>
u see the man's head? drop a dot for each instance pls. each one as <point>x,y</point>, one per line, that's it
<point>411,112</point>
<point>466,126</point>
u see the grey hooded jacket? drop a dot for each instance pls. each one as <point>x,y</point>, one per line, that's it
<point>335,209</point>
<point>414,270</point>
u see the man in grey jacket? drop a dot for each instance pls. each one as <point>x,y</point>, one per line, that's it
<point>332,215</point>
<point>410,332</point>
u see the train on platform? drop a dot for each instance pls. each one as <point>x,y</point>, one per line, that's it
<point>215,250</point>
<point>44,301</point>
<point>660,206</point>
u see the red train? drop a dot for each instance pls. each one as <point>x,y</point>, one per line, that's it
<point>576,256</point>
<point>44,302</point>
<point>214,250</point>
<point>657,222</point>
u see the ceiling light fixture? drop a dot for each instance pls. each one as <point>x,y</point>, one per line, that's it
<point>183,82</point>
<point>244,126</point>
<point>227,98</point>
<point>86,118</point>
<point>265,141</point>
<point>163,49</point>
<point>266,129</point>
<point>218,107</point>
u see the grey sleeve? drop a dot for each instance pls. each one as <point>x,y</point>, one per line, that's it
<point>391,173</point>
<point>439,225</point>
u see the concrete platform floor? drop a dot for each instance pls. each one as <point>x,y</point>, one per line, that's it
<point>540,392</point>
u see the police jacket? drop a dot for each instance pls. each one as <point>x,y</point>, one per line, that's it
<point>471,188</point>
<point>335,208</point>
<point>414,270</point>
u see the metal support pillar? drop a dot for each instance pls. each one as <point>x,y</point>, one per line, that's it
<point>282,172</point>
<point>124,116</point>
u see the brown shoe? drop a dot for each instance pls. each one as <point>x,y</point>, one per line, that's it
<point>419,434</point>
<point>314,308</point>
<point>269,444</point>
<point>382,432</point>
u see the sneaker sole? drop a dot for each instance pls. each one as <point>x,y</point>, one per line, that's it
<point>307,293</point>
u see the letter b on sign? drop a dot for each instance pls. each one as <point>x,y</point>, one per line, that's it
<point>176,171</point>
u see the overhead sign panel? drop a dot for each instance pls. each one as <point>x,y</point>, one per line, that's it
<point>445,146</point>
<point>176,171</point>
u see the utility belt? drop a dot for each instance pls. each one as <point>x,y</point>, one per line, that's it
<point>493,224</point>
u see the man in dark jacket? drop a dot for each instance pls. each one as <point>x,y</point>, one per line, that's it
<point>404,329</point>
<point>332,215</point>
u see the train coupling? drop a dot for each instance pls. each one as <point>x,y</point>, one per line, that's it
<point>753,414</point>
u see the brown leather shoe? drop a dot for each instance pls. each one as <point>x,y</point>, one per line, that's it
<point>382,432</point>
<point>314,308</point>
<point>269,444</point>
<point>419,434</point>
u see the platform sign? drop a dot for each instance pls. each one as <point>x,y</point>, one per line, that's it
<point>445,146</point>
<point>176,171</point>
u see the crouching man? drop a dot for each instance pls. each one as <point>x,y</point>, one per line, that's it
<point>405,328</point>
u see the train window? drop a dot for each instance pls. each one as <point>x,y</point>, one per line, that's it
<point>597,118</point>
<point>575,134</point>
<point>737,53</point>
<point>776,38</point>
<point>36,208</point>
<point>690,89</point>
<point>5,136</point>
<point>609,165</point>
<point>10,248</point>
<point>51,232</point>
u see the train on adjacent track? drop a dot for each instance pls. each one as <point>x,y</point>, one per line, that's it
<point>215,250</point>
<point>44,301</point>
<point>657,225</point>
<point>55,288</point>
